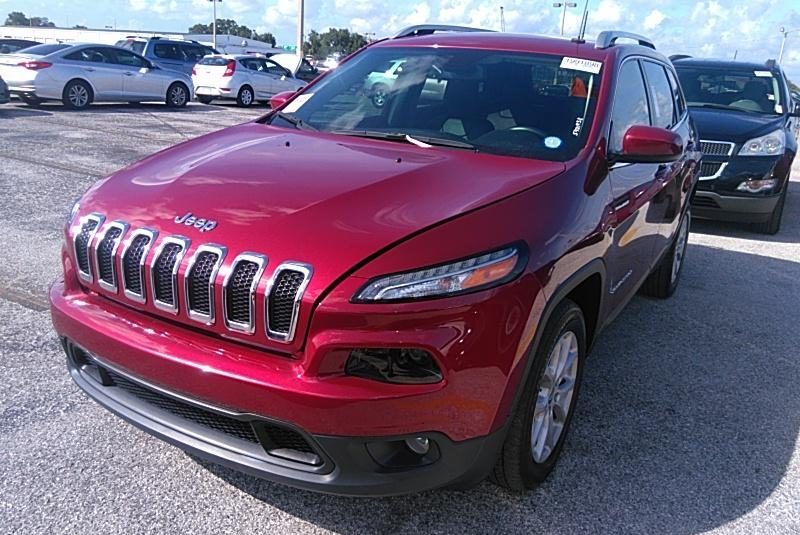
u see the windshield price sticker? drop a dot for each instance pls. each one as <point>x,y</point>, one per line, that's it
<point>578,64</point>
<point>294,105</point>
<point>763,74</point>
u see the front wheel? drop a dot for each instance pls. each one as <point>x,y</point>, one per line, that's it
<point>541,420</point>
<point>773,224</point>
<point>177,95</point>
<point>663,281</point>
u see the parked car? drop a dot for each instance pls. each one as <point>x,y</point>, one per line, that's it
<point>378,301</point>
<point>9,46</point>
<point>299,67</point>
<point>245,78</point>
<point>81,74</point>
<point>744,114</point>
<point>173,54</point>
<point>4,94</point>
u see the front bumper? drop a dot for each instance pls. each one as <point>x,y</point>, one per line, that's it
<point>371,466</point>
<point>738,209</point>
<point>216,92</point>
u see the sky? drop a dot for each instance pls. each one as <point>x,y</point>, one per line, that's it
<point>712,28</point>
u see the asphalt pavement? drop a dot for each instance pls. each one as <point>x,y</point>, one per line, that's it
<point>687,423</point>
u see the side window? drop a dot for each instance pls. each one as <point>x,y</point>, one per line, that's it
<point>630,104</point>
<point>274,68</point>
<point>677,94</point>
<point>661,100</point>
<point>92,55</point>
<point>128,59</point>
<point>169,51</point>
<point>193,52</point>
<point>249,64</point>
<point>306,68</point>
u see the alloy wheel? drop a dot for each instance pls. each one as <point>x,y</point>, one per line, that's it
<point>555,394</point>
<point>247,97</point>
<point>178,96</point>
<point>78,96</point>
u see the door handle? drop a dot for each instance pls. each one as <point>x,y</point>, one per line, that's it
<point>89,69</point>
<point>128,73</point>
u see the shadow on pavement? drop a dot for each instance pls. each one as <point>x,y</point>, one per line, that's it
<point>688,419</point>
<point>8,111</point>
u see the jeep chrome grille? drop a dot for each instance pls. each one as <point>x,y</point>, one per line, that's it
<point>200,276</point>
<point>164,273</point>
<point>283,300</point>
<point>133,264</point>
<point>82,241</point>
<point>240,292</point>
<point>116,259</point>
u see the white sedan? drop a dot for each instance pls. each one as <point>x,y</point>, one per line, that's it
<point>81,74</point>
<point>245,78</point>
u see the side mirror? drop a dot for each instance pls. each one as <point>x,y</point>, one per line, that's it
<point>279,99</point>
<point>649,144</point>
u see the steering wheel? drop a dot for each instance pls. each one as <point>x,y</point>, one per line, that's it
<point>530,129</point>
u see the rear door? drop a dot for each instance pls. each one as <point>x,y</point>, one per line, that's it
<point>170,55</point>
<point>98,66</point>
<point>634,186</point>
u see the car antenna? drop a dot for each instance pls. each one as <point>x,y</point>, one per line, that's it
<point>582,30</point>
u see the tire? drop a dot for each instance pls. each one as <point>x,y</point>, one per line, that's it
<point>31,101</point>
<point>773,224</point>
<point>245,98</point>
<point>379,93</point>
<point>177,95</point>
<point>524,463</point>
<point>77,95</point>
<point>205,99</point>
<point>664,279</point>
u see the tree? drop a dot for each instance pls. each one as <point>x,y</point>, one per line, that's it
<point>231,27</point>
<point>334,41</point>
<point>18,18</point>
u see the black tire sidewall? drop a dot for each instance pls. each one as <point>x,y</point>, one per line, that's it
<point>673,284</point>
<point>570,319</point>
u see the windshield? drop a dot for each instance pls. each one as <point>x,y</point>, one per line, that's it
<point>42,50</point>
<point>515,104</point>
<point>754,91</point>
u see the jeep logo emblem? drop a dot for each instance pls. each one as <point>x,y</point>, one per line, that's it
<point>201,224</point>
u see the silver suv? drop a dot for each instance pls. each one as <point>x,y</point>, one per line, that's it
<point>175,54</point>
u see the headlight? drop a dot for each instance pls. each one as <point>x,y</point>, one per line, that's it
<point>73,212</point>
<point>478,272</point>
<point>768,145</point>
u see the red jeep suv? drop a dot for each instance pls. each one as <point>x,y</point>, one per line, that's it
<point>378,296</point>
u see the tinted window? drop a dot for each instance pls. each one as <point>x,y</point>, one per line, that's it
<point>43,50</point>
<point>93,55</point>
<point>680,105</point>
<point>274,68</point>
<point>630,104</point>
<point>214,61</point>
<point>129,59</point>
<point>8,47</point>
<point>170,51</point>
<point>661,99</point>
<point>193,52</point>
<point>735,88</point>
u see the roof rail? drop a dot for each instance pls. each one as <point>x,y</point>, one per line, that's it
<point>428,29</point>
<point>609,38</point>
<point>676,57</point>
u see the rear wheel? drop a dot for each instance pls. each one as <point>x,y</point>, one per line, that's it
<point>773,224</point>
<point>663,281</point>
<point>204,99</point>
<point>540,423</point>
<point>77,95</point>
<point>30,100</point>
<point>177,95</point>
<point>245,97</point>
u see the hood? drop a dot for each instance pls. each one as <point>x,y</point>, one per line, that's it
<point>288,61</point>
<point>327,200</point>
<point>734,126</point>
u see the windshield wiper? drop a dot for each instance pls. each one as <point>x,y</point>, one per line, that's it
<point>420,141</point>
<point>291,119</point>
<point>724,107</point>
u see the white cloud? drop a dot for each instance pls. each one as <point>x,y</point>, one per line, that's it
<point>607,12</point>
<point>653,20</point>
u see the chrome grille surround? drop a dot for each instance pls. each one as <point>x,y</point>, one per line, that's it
<point>261,261</point>
<point>307,271</point>
<point>139,297</point>
<point>183,243</point>
<point>717,172</point>
<point>716,148</point>
<point>86,248</point>
<point>113,284</point>
<point>199,316</point>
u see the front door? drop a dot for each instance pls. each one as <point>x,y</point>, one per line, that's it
<point>138,81</point>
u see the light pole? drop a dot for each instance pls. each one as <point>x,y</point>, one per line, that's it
<point>784,32</point>
<point>564,6</point>
<point>214,23</point>
<point>301,9</point>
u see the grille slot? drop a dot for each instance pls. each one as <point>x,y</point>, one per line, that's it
<point>105,256</point>
<point>704,202</point>
<point>710,169</point>
<point>239,294</point>
<point>283,302</point>
<point>716,148</point>
<point>82,241</point>
<point>164,273</point>
<point>200,278</point>
<point>133,264</point>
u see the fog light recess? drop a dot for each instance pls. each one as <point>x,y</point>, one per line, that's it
<point>393,365</point>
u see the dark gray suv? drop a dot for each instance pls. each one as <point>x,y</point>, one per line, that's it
<point>173,54</point>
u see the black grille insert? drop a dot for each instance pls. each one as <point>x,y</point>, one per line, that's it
<point>238,301</point>
<point>704,202</point>
<point>281,300</point>
<point>163,278</point>
<point>82,245</point>
<point>200,283</point>
<point>132,264</point>
<point>105,256</point>
<point>715,148</point>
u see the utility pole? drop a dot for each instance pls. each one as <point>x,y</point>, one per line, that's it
<point>301,8</point>
<point>784,32</point>
<point>502,19</point>
<point>214,23</point>
<point>564,6</point>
